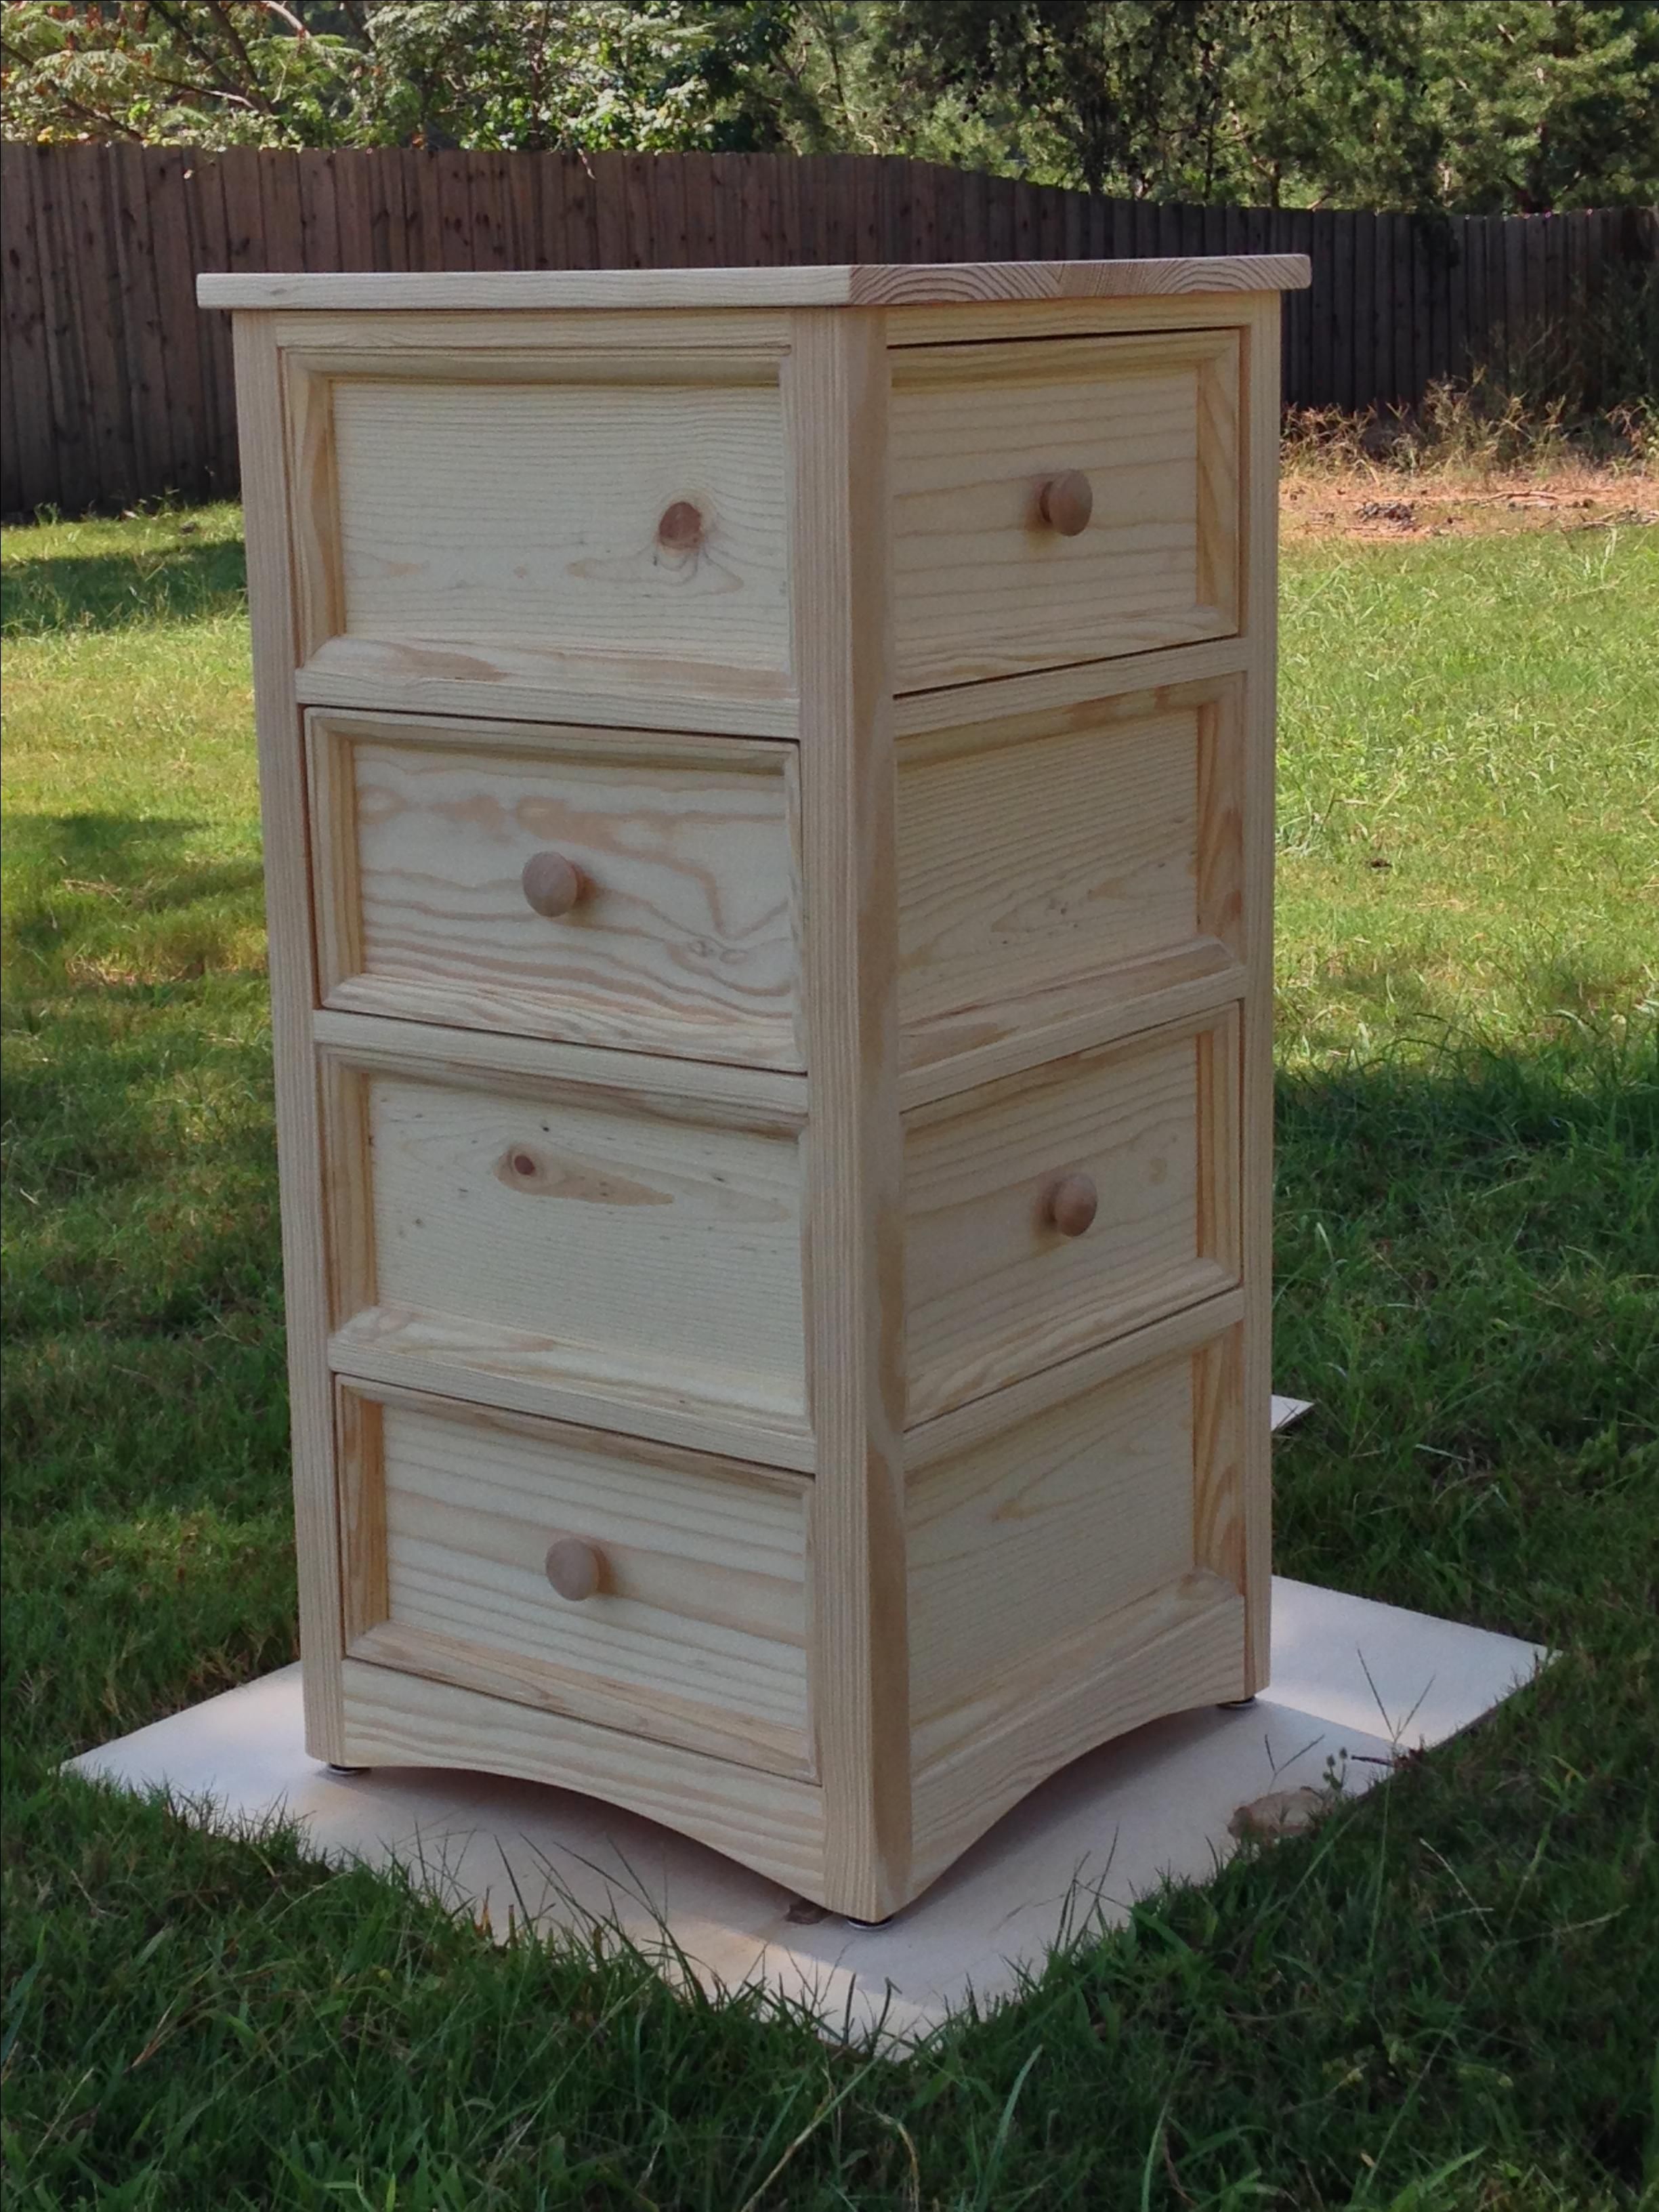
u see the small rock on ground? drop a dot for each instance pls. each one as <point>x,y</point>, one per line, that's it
<point>1281,1812</point>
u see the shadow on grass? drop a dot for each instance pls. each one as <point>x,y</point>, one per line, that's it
<point>1467,1248</point>
<point>182,582</point>
<point>106,889</point>
<point>1466,1259</point>
<point>1556,991</point>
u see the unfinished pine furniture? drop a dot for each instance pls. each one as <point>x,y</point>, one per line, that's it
<point>767,783</point>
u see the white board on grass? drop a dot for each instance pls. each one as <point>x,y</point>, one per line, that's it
<point>1355,1685</point>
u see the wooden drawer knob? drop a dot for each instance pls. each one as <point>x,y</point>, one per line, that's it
<point>1067,502</point>
<point>1073,1203</point>
<point>551,884</point>
<point>573,1568</point>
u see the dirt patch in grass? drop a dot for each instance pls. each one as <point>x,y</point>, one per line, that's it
<point>1393,503</point>
<point>1468,462</point>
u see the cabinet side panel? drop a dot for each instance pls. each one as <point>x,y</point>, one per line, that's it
<point>1260,374</point>
<point>287,908</point>
<point>835,401</point>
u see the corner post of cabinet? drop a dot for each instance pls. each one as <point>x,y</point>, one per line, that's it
<point>1260,483</point>
<point>266,497</point>
<point>835,397</point>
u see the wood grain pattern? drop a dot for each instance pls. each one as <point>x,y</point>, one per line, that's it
<point>982,587</point>
<point>449,1356</point>
<point>836,394</point>
<point>1046,848</point>
<point>993,1288</point>
<point>1061,691</point>
<point>979,322</point>
<point>534,1232</point>
<point>967,1427</point>
<point>474,510</point>
<point>684,938</point>
<point>527,681</point>
<point>288,910</point>
<point>1219,1505</point>
<point>631,337</point>
<point>847,285</point>
<point>696,1634</point>
<point>1175,1648</point>
<point>771,1822</point>
<point>1037,1532</point>
<point>959,1051</point>
<point>318,582</point>
<point>365,1599</point>
<point>637,1082</point>
<point>1219,860</point>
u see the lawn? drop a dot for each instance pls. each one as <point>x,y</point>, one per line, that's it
<point>1448,1997</point>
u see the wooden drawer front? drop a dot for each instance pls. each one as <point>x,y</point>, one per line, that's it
<point>1090,844</point>
<point>983,584</point>
<point>1030,1530</point>
<point>682,937</point>
<point>534,511</point>
<point>693,1631</point>
<point>546,507</point>
<point>522,1240</point>
<point>993,1288</point>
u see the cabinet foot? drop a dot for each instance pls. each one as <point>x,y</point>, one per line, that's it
<point>329,1767</point>
<point>1237,1704</point>
<point>851,1923</point>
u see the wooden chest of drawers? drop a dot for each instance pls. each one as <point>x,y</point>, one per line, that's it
<point>768,783</point>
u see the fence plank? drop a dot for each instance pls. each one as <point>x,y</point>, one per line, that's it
<point>109,401</point>
<point>175,302</point>
<point>66,367</point>
<point>140,314</point>
<point>31,471</point>
<point>1345,307</point>
<point>319,229</point>
<point>1319,303</point>
<point>208,248</point>
<point>1517,337</point>
<point>115,387</point>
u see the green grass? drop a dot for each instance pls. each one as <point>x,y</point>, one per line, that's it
<point>1446,1998</point>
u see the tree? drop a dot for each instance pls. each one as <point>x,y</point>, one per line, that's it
<point>1467,104</point>
<point>657,75</point>
<point>1548,103</point>
<point>1478,105</point>
<point>173,72</point>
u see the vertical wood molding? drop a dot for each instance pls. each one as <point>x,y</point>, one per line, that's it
<point>1262,368</point>
<point>332,776</point>
<point>365,1594</point>
<point>1220,888</point>
<point>287,910</point>
<point>348,1190</point>
<point>1216,1056</point>
<point>1218,394</point>
<point>1220,1511</point>
<point>835,402</point>
<point>319,586</point>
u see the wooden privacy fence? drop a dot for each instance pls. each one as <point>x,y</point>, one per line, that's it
<point>116,388</point>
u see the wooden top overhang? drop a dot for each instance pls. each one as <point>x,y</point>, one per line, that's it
<point>851,284</point>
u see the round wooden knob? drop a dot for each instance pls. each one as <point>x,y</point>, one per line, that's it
<point>1067,502</point>
<point>681,527</point>
<point>1072,1204</point>
<point>552,885</point>
<point>573,1568</point>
